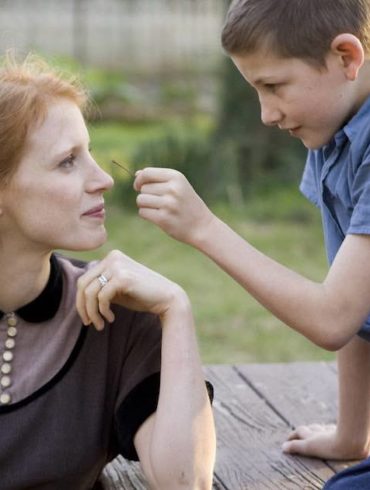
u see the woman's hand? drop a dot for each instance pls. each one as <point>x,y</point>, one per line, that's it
<point>168,200</point>
<point>129,284</point>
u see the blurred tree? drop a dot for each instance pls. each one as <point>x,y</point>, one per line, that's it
<point>247,155</point>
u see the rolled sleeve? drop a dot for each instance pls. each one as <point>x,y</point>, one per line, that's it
<point>360,219</point>
<point>139,404</point>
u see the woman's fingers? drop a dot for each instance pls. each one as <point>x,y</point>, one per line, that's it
<point>92,303</point>
<point>120,280</point>
<point>89,286</point>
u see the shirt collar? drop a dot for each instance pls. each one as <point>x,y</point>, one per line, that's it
<point>358,121</point>
<point>350,129</point>
<point>45,306</point>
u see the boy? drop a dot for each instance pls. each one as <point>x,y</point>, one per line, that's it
<point>308,61</point>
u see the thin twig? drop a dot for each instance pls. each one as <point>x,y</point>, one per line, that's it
<point>124,168</point>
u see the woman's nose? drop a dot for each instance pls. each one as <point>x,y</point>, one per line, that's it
<point>100,180</point>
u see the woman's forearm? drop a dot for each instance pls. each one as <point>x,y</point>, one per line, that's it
<point>183,436</point>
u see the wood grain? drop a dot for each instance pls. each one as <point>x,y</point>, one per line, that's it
<point>255,407</point>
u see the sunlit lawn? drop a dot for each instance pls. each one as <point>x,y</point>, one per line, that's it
<point>232,327</point>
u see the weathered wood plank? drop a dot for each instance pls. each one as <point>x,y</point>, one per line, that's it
<point>121,474</point>
<point>301,392</point>
<point>249,435</point>
<point>255,407</point>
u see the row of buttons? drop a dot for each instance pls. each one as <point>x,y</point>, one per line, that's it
<point>7,358</point>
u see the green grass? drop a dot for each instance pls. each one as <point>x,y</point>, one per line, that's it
<point>232,327</point>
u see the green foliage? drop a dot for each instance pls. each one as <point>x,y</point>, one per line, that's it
<point>258,156</point>
<point>235,160</point>
<point>182,147</point>
<point>113,96</point>
<point>231,326</point>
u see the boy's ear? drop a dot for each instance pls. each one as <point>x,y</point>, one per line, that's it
<point>351,52</point>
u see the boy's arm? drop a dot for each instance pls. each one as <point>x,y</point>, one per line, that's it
<point>328,313</point>
<point>350,439</point>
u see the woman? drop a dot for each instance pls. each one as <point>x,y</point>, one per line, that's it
<point>73,396</point>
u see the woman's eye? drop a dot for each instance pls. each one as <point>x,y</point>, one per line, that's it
<point>67,162</point>
<point>270,86</point>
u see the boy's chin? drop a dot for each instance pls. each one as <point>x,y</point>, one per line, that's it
<point>313,145</point>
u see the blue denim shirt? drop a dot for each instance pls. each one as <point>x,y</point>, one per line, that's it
<point>336,179</point>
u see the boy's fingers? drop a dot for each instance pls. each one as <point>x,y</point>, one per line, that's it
<point>295,447</point>
<point>151,214</point>
<point>157,189</point>
<point>149,201</point>
<point>153,174</point>
<point>300,432</point>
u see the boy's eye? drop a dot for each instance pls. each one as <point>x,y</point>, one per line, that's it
<point>67,162</point>
<point>272,87</point>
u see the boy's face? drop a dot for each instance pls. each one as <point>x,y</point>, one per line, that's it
<point>310,103</point>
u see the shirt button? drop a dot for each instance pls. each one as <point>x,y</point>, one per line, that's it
<point>6,368</point>
<point>12,332</point>
<point>8,356</point>
<point>5,398</point>
<point>11,321</point>
<point>5,381</point>
<point>10,343</point>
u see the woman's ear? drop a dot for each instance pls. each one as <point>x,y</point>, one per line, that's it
<point>351,53</point>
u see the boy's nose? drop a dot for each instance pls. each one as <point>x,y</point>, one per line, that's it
<point>270,115</point>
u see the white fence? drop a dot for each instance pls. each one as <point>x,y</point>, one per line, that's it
<point>145,36</point>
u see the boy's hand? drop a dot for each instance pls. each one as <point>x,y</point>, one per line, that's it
<point>127,283</point>
<point>321,441</point>
<point>168,200</point>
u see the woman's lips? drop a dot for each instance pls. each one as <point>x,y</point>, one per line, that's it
<point>96,212</point>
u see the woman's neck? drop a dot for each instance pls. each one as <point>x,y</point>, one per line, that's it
<point>23,278</point>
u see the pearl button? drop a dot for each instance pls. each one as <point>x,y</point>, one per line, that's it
<point>11,321</point>
<point>10,343</point>
<point>6,368</point>
<point>8,356</point>
<point>5,398</point>
<point>5,381</point>
<point>12,332</point>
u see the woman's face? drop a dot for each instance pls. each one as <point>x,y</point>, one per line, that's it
<point>55,198</point>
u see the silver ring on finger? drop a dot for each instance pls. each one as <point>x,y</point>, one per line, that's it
<point>102,280</point>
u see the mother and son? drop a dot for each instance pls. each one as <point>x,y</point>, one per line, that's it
<point>72,397</point>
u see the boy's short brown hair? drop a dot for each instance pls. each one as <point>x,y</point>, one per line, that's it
<point>294,28</point>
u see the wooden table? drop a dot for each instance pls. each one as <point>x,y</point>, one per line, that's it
<point>255,407</point>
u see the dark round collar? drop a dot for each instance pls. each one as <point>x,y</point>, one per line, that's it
<point>45,306</point>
